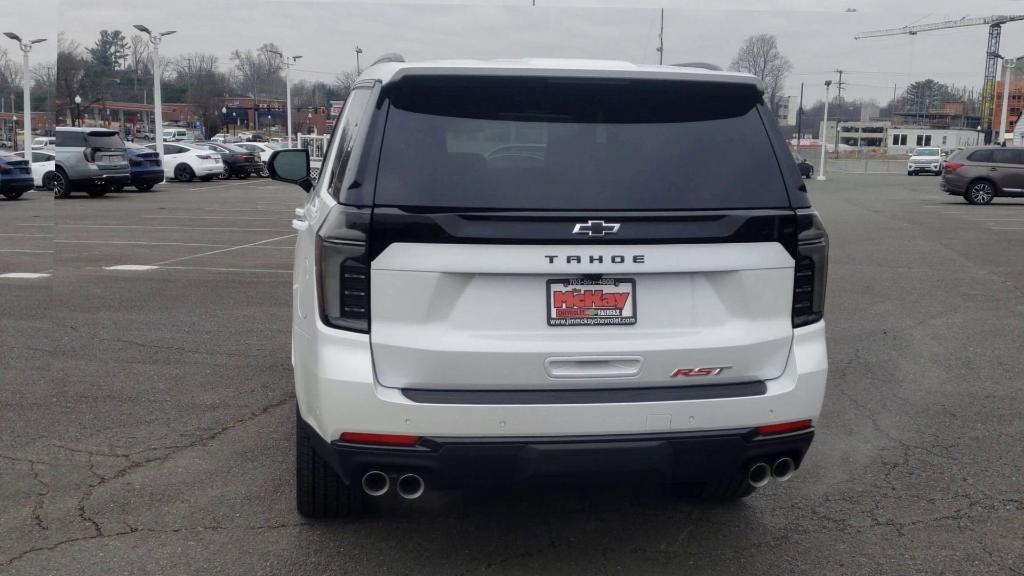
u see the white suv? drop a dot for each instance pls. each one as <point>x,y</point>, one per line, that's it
<point>521,269</point>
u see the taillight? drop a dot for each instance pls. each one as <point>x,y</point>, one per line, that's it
<point>387,439</point>
<point>90,155</point>
<point>784,427</point>
<point>6,169</point>
<point>811,269</point>
<point>343,269</point>
<point>953,166</point>
<point>135,161</point>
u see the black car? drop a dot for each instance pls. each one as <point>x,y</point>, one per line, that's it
<point>806,168</point>
<point>15,176</point>
<point>145,167</point>
<point>238,162</point>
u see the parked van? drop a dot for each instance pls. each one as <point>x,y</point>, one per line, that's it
<point>175,134</point>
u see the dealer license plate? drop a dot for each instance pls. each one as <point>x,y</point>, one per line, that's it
<point>591,302</point>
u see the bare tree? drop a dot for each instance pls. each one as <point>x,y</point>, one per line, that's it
<point>343,84</point>
<point>760,55</point>
<point>140,56</point>
<point>10,76</point>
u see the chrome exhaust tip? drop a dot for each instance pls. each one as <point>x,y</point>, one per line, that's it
<point>783,469</point>
<point>410,486</point>
<point>376,483</point>
<point>759,474</point>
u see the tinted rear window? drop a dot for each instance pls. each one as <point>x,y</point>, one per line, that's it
<point>104,140</point>
<point>559,144</point>
<point>981,156</point>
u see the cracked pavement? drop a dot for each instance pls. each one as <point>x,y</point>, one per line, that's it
<point>146,418</point>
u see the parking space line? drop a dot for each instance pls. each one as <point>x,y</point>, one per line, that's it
<point>224,269</point>
<point>25,275</point>
<point>208,187</point>
<point>32,251</point>
<point>220,217</point>
<point>167,227</point>
<point>1005,228</point>
<point>142,243</point>
<point>131,267</point>
<point>223,250</point>
<point>30,235</point>
<point>248,209</point>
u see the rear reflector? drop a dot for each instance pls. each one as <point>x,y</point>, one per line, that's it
<point>953,166</point>
<point>784,427</point>
<point>389,439</point>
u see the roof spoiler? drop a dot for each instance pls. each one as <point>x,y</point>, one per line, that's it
<point>389,57</point>
<point>703,65</point>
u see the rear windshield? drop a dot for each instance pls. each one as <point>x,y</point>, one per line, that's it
<point>559,144</point>
<point>928,152</point>
<point>104,140</point>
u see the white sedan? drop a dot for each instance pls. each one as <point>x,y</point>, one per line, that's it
<point>264,149</point>
<point>42,167</point>
<point>186,162</point>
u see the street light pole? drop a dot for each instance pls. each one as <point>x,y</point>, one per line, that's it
<point>26,87</point>
<point>358,52</point>
<point>288,88</point>
<point>158,112</point>
<point>78,111</point>
<point>824,136</point>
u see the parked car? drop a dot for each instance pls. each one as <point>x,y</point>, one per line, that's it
<point>186,162</point>
<point>43,166</point>
<point>224,138</point>
<point>15,176</point>
<point>90,159</point>
<point>6,144</point>
<point>667,341</point>
<point>145,167</point>
<point>926,159</point>
<point>805,167</point>
<point>264,150</point>
<point>43,142</point>
<point>175,134</point>
<point>982,173</point>
<point>238,162</point>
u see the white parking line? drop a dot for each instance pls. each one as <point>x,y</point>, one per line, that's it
<point>215,186</point>
<point>143,243</point>
<point>30,235</point>
<point>224,269</point>
<point>166,227</point>
<point>131,267</point>
<point>1005,228</point>
<point>32,251</point>
<point>223,250</point>
<point>24,275</point>
<point>219,217</point>
<point>248,209</point>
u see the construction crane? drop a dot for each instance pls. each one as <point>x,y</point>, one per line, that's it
<point>992,56</point>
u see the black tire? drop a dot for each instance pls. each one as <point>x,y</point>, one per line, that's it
<point>115,188</point>
<point>48,181</point>
<point>242,175</point>
<point>144,187</point>
<point>319,491</point>
<point>60,185</point>
<point>980,192</point>
<point>98,192</point>
<point>224,174</point>
<point>13,195</point>
<point>206,178</point>
<point>184,173</point>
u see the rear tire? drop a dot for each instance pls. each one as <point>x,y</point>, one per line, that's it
<point>242,175</point>
<point>13,195</point>
<point>184,173</point>
<point>144,187</point>
<point>980,193</point>
<point>60,185</point>
<point>319,491</point>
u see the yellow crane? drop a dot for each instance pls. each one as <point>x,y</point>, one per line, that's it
<point>992,56</point>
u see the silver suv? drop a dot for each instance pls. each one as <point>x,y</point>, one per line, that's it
<point>90,159</point>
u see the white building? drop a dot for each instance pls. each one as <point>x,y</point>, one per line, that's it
<point>786,113</point>
<point>898,139</point>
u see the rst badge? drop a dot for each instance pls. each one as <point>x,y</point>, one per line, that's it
<point>591,302</point>
<point>695,372</point>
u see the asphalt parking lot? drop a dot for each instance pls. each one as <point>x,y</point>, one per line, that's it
<point>146,408</point>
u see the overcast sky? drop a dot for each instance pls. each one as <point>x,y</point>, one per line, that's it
<point>817,35</point>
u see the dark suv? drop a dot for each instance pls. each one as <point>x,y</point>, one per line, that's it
<point>980,174</point>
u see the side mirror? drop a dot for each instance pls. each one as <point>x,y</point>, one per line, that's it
<point>291,165</point>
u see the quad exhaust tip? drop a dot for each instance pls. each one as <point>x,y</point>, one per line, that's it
<point>783,469</point>
<point>759,474</point>
<point>410,486</point>
<point>376,483</point>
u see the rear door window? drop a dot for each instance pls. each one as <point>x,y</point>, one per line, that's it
<point>985,156</point>
<point>561,144</point>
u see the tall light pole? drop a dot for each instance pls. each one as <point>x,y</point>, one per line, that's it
<point>26,86</point>
<point>824,135</point>
<point>288,88</point>
<point>358,52</point>
<point>1008,64</point>
<point>158,111</point>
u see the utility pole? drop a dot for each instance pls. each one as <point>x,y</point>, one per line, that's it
<point>839,86</point>
<point>823,135</point>
<point>26,84</point>
<point>661,38</point>
<point>800,118</point>
<point>158,113</point>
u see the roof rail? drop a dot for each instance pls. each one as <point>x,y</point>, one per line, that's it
<point>389,57</point>
<point>704,65</point>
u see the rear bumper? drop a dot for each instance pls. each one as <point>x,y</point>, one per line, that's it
<point>13,186</point>
<point>124,179</point>
<point>682,457</point>
<point>249,168</point>
<point>148,177</point>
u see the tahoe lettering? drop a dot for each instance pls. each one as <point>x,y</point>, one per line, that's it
<point>596,259</point>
